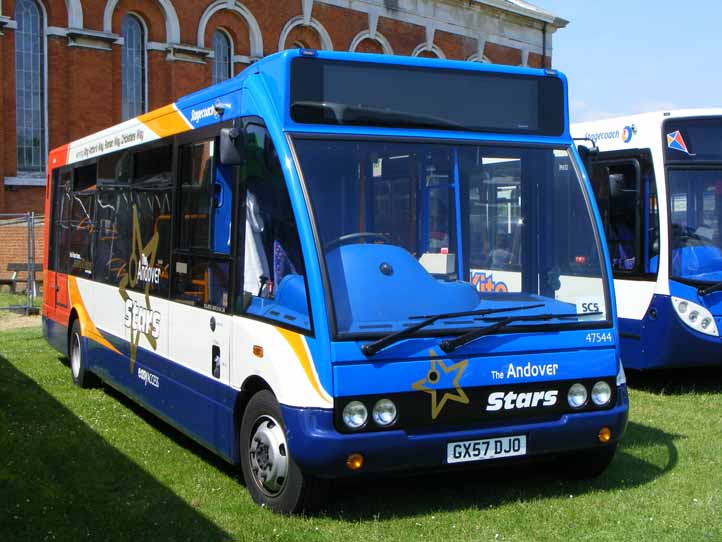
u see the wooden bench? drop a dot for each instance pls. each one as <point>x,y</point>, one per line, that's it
<point>16,269</point>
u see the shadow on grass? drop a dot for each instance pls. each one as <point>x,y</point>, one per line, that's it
<point>61,480</point>
<point>492,487</point>
<point>677,381</point>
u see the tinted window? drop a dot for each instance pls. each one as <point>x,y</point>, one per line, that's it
<point>273,282</point>
<point>693,140</point>
<point>333,92</point>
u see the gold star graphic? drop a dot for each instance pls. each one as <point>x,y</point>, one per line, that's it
<point>433,377</point>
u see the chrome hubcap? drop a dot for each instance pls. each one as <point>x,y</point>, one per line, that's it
<point>269,456</point>
<point>75,355</point>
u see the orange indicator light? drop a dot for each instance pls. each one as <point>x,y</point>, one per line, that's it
<point>257,351</point>
<point>605,435</point>
<point>355,461</point>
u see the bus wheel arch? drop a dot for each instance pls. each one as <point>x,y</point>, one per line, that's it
<point>77,355</point>
<point>272,477</point>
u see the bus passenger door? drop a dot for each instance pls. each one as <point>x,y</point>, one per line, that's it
<point>202,262</point>
<point>61,233</point>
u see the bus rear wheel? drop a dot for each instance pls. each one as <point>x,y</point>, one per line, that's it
<point>82,377</point>
<point>272,477</point>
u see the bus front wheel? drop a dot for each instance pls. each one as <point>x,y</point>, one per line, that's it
<point>272,477</point>
<point>82,377</point>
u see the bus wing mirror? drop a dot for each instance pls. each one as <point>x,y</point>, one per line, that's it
<point>232,145</point>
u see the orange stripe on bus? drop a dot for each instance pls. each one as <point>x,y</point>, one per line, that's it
<point>166,121</point>
<point>295,341</point>
<point>87,327</point>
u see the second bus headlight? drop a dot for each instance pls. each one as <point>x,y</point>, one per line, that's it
<point>695,316</point>
<point>601,393</point>
<point>355,415</point>
<point>384,412</point>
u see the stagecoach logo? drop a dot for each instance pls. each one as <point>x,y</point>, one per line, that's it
<point>140,319</point>
<point>198,115</point>
<point>627,133</point>
<point>437,382</point>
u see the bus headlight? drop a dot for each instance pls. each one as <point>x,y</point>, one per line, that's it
<point>577,396</point>
<point>601,393</point>
<point>695,316</point>
<point>355,415</point>
<point>384,412</point>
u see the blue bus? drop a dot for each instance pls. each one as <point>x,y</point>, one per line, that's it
<point>657,178</point>
<point>337,264</point>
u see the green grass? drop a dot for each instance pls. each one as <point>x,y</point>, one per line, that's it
<point>89,465</point>
<point>8,299</point>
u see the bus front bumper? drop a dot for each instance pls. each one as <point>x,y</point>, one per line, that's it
<point>320,450</point>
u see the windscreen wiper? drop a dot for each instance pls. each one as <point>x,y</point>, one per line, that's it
<point>372,348</point>
<point>500,323</point>
<point>716,287</point>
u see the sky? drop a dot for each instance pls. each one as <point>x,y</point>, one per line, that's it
<point>625,57</point>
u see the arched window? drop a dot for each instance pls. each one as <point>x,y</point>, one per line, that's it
<point>29,87</point>
<point>222,57</point>
<point>133,67</point>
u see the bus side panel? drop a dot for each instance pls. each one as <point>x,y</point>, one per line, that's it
<point>197,405</point>
<point>630,341</point>
<point>56,334</point>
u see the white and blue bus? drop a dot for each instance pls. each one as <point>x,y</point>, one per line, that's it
<point>657,179</point>
<point>337,264</point>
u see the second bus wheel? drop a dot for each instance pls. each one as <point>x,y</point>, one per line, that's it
<point>82,377</point>
<point>272,477</point>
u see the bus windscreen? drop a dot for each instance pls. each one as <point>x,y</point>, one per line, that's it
<point>693,139</point>
<point>370,94</point>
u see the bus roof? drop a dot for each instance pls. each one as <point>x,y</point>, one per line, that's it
<point>634,131</point>
<point>222,101</point>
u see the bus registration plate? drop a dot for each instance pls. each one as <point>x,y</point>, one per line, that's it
<point>490,448</point>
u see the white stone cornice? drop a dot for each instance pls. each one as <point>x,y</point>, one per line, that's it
<point>307,11</point>
<point>373,23</point>
<point>468,19</point>
<point>254,30</point>
<point>326,43</point>
<point>172,25</point>
<point>377,37</point>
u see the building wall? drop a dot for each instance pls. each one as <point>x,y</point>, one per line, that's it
<point>83,51</point>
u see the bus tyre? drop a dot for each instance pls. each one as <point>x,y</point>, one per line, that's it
<point>82,377</point>
<point>272,477</point>
<point>586,464</point>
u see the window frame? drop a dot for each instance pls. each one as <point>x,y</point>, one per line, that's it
<point>43,86</point>
<point>144,66</point>
<point>637,157</point>
<point>229,42</point>
<point>239,245</point>
<point>188,138</point>
<point>588,196</point>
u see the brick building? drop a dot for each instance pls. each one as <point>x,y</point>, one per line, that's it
<point>72,67</point>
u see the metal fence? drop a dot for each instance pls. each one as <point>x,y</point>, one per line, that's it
<point>21,270</point>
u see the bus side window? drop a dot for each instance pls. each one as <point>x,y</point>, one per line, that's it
<point>113,218</point>
<point>202,268</point>
<point>61,220</point>
<point>273,282</point>
<point>82,222</point>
